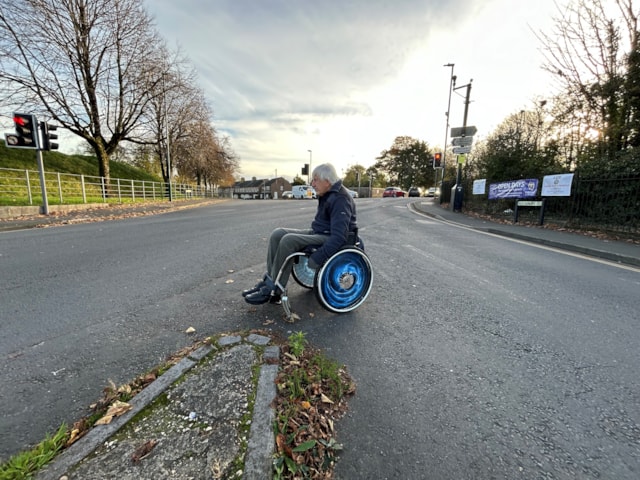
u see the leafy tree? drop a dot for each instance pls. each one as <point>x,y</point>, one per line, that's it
<point>356,175</point>
<point>407,163</point>
<point>298,180</point>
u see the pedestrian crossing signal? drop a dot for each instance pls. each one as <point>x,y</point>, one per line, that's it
<point>26,132</point>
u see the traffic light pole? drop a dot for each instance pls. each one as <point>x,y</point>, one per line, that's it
<point>43,184</point>
<point>26,136</point>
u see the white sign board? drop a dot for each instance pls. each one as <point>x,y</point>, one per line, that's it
<point>479,186</point>
<point>557,185</point>
<point>459,150</point>
<point>462,141</point>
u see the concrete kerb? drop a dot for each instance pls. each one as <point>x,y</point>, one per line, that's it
<point>539,239</point>
<point>260,446</point>
<point>614,257</point>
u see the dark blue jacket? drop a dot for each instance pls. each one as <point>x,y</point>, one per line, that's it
<point>336,217</point>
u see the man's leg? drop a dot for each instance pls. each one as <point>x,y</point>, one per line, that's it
<point>272,248</point>
<point>290,243</point>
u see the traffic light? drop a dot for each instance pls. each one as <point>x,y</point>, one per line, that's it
<point>26,133</point>
<point>437,158</point>
<point>305,169</point>
<point>47,144</point>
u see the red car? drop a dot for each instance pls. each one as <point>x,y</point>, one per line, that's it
<point>393,192</point>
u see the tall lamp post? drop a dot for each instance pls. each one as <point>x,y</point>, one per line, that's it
<point>452,83</point>
<point>309,172</point>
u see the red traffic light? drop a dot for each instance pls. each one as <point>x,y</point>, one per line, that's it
<point>26,134</point>
<point>437,158</point>
<point>20,120</point>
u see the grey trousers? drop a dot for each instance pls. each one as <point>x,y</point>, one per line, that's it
<point>282,243</point>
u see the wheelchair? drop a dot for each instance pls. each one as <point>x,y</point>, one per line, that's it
<point>340,285</point>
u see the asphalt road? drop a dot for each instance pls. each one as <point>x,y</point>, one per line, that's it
<point>475,356</point>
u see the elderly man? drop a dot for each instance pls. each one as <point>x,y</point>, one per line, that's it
<point>334,220</point>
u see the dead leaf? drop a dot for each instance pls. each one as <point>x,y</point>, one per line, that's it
<point>190,330</point>
<point>294,318</point>
<point>325,399</point>
<point>116,409</point>
<point>305,404</point>
<point>73,436</point>
<point>143,450</point>
<point>126,389</point>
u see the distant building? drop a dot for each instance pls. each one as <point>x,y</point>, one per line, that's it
<point>260,189</point>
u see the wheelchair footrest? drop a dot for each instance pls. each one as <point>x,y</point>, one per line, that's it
<point>286,306</point>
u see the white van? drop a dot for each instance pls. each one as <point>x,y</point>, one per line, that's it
<point>303,191</point>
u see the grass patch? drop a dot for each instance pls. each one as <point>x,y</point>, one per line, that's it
<point>24,465</point>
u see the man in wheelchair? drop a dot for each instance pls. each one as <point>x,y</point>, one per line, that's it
<point>333,226</point>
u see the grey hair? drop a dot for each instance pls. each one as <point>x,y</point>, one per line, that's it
<point>326,171</point>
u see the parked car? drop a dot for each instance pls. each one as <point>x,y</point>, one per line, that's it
<point>393,192</point>
<point>353,193</point>
<point>432,192</point>
<point>415,192</point>
<point>303,192</point>
<point>287,195</point>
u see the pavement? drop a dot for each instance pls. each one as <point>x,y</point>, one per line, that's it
<point>210,415</point>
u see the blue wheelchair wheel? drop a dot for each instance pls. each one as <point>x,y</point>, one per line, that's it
<point>343,283</point>
<point>302,273</point>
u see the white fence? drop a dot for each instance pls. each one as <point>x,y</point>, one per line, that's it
<point>22,187</point>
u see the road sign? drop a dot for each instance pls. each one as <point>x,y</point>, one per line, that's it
<point>468,131</point>
<point>462,141</point>
<point>460,150</point>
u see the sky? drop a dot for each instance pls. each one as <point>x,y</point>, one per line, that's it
<point>344,78</point>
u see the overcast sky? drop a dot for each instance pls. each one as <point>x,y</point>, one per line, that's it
<point>344,78</point>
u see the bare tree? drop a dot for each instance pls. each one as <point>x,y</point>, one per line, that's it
<point>593,53</point>
<point>520,147</point>
<point>87,64</point>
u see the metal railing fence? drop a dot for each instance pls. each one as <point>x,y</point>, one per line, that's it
<point>611,204</point>
<point>22,188</point>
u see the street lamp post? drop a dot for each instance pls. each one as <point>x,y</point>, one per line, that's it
<point>309,172</point>
<point>452,82</point>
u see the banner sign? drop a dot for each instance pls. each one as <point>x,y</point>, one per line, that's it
<point>525,188</point>
<point>557,185</point>
<point>479,186</point>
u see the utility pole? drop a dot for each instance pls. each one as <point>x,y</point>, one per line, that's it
<point>459,193</point>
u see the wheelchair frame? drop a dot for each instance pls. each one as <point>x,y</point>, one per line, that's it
<point>341,284</point>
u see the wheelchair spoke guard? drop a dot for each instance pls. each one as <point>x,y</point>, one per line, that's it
<point>343,283</point>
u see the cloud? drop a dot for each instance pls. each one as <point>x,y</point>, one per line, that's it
<point>344,78</point>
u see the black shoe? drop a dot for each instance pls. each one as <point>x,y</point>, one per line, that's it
<point>275,299</point>
<point>249,291</point>
<point>258,298</point>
